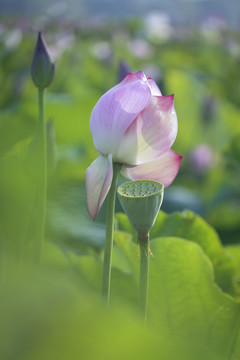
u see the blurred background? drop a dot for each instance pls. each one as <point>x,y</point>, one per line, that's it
<point>191,49</point>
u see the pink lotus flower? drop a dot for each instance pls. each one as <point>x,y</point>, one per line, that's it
<point>134,125</point>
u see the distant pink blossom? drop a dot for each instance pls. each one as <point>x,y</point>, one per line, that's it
<point>133,125</point>
<point>201,159</point>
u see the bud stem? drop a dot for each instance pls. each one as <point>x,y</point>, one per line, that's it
<point>109,234</point>
<point>42,180</point>
<point>143,240</point>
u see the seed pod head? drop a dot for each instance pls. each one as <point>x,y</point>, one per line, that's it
<point>42,69</point>
<point>141,201</point>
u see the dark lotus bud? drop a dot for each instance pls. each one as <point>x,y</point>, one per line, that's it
<point>42,69</point>
<point>209,110</point>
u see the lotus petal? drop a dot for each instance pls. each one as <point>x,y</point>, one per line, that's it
<point>163,169</point>
<point>151,134</point>
<point>116,110</point>
<point>98,181</point>
<point>154,88</point>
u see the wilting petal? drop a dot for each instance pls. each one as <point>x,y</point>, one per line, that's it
<point>151,134</point>
<point>98,181</point>
<point>116,110</point>
<point>164,169</point>
<point>154,88</point>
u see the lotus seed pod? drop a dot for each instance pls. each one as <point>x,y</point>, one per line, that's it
<point>141,201</point>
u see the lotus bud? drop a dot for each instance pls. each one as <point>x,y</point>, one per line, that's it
<point>132,124</point>
<point>42,69</point>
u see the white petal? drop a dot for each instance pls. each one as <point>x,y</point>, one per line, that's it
<point>154,88</point>
<point>98,181</point>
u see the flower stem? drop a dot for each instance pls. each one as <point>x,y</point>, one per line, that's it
<point>143,240</point>
<point>109,234</point>
<point>3,265</point>
<point>42,179</point>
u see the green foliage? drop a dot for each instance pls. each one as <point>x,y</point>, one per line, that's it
<point>232,150</point>
<point>191,227</point>
<point>189,317</point>
<point>54,311</point>
<point>189,304</point>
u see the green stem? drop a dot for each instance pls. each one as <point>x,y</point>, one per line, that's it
<point>42,180</point>
<point>23,238</point>
<point>3,265</point>
<point>109,234</point>
<point>143,240</point>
